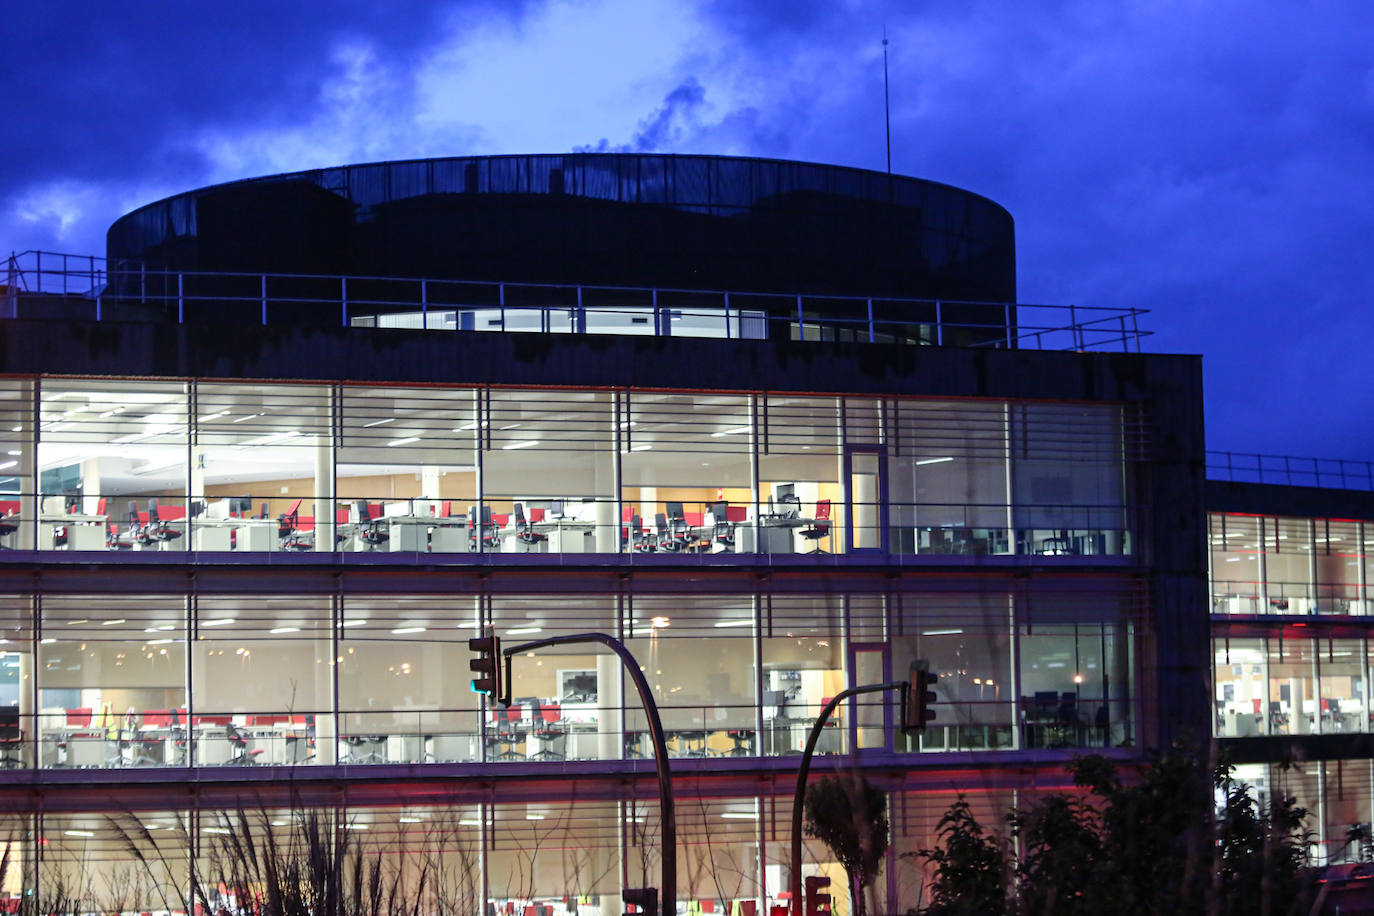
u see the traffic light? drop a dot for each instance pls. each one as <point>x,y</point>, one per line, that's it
<point>916,711</point>
<point>487,665</point>
<point>816,902</point>
<point>646,898</point>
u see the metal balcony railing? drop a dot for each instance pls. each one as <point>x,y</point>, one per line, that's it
<point>86,287</point>
<point>1247,467</point>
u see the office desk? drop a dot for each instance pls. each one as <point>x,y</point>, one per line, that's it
<point>563,535</point>
<point>258,534</point>
<point>774,534</point>
<point>84,532</point>
<point>449,536</point>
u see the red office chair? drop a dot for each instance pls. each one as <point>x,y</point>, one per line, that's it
<point>820,525</point>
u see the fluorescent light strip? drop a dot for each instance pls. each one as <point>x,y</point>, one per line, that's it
<point>724,624</point>
<point>526,444</point>
<point>402,631</point>
<point>942,632</point>
<point>405,441</point>
<point>278,630</point>
<point>8,464</point>
<point>218,622</point>
<point>159,642</point>
<point>355,623</point>
<point>84,833</point>
<point>739,815</point>
<point>733,431</point>
<point>113,623</point>
<point>379,422</point>
<point>932,461</point>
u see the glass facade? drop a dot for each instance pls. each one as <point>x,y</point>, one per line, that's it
<point>206,680</point>
<point>1276,565</point>
<point>1291,686</point>
<point>558,857</point>
<point>244,467</point>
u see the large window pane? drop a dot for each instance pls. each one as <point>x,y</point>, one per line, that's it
<point>112,681</point>
<point>262,676</point>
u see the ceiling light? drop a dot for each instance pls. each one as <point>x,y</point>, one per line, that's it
<point>158,642</point>
<point>379,422</point>
<point>405,441</point>
<point>740,815</point>
<point>640,448</point>
<point>402,631</point>
<point>659,623</point>
<point>115,622</point>
<point>85,833</point>
<point>218,622</point>
<point>8,464</point>
<point>214,416</point>
<point>278,630</point>
<point>526,444</point>
<point>932,461</point>
<point>409,820</point>
<point>942,632</point>
<point>733,431</point>
<point>355,623</point>
<point>723,624</point>
<point>248,417</point>
<point>524,631</point>
<point>270,439</point>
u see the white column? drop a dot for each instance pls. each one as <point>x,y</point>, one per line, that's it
<point>324,497</point>
<point>608,704</point>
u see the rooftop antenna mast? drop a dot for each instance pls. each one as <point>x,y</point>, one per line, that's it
<point>887,108</point>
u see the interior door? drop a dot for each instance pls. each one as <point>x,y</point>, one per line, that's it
<point>865,497</point>
<point>871,715</point>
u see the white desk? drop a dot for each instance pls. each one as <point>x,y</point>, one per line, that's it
<point>84,532</point>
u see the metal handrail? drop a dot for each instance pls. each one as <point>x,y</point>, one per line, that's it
<point>88,277</point>
<point>1290,470</point>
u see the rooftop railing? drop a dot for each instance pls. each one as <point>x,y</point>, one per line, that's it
<point>88,288</point>
<point>1290,470</point>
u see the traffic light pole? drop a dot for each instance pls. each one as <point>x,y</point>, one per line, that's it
<point>667,820</point>
<point>804,769</point>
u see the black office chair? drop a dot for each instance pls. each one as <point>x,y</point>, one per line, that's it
<point>722,531</point>
<point>665,539</point>
<point>640,540</point>
<point>369,531</point>
<point>678,529</point>
<point>487,531</point>
<point>11,738</point>
<point>524,533</point>
<point>239,752</point>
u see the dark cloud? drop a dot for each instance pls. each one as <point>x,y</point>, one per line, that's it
<point>1211,161</point>
<point>95,91</point>
<point>1206,161</point>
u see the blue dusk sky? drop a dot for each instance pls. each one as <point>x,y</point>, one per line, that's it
<point>1212,161</point>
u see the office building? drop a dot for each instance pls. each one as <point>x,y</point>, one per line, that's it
<point>1290,554</point>
<point>781,428</point>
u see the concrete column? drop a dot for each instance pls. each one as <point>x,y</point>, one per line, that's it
<point>607,535</point>
<point>609,743</point>
<point>324,497</point>
<point>429,482</point>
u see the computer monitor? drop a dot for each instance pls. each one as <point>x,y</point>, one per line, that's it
<point>240,506</point>
<point>784,500</point>
<point>555,508</point>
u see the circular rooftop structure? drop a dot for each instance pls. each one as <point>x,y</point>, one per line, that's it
<point>689,222</point>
